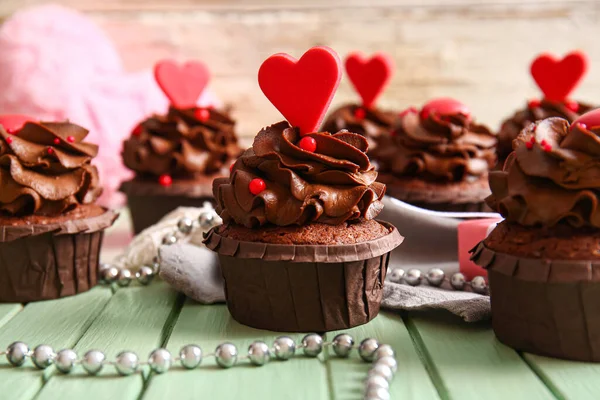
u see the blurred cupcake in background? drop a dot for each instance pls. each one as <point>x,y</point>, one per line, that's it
<point>556,79</point>
<point>369,78</point>
<point>438,158</point>
<point>176,156</point>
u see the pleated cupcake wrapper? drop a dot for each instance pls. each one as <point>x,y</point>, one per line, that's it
<point>547,307</point>
<point>301,288</point>
<point>148,202</point>
<point>51,261</point>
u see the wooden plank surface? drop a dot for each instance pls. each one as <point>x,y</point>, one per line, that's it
<point>568,380</point>
<point>8,311</point>
<point>412,380</point>
<point>458,352</point>
<point>136,319</point>
<point>58,323</point>
<point>210,325</point>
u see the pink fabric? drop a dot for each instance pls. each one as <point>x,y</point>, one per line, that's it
<point>56,64</point>
<point>471,232</point>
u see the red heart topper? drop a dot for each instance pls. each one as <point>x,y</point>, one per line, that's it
<point>301,89</point>
<point>369,76</point>
<point>182,84</point>
<point>558,78</point>
<point>14,123</point>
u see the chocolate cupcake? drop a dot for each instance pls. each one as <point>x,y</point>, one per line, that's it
<point>556,79</point>
<point>437,158</point>
<point>175,158</point>
<point>299,247</point>
<point>369,78</point>
<point>50,229</point>
<point>542,259</point>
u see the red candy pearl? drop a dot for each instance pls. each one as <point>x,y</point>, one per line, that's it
<point>529,145</point>
<point>582,126</point>
<point>256,186</point>
<point>137,131</point>
<point>56,141</point>
<point>547,147</point>
<point>360,113</point>
<point>573,106</point>
<point>165,180</point>
<point>12,131</point>
<point>70,139</point>
<point>533,103</point>
<point>202,114</point>
<point>231,167</point>
<point>50,150</point>
<point>9,140</point>
<point>308,144</point>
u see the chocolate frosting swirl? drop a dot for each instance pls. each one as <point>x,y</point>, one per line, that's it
<point>45,169</point>
<point>554,180</point>
<point>512,126</point>
<point>332,185</point>
<point>450,148</point>
<point>181,145</point>
<point>374,124</point>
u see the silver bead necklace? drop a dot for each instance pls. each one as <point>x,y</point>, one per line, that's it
<point>376,385</point>
<point>437,278</point>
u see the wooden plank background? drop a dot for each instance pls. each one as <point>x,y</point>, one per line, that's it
<point>476,51</point>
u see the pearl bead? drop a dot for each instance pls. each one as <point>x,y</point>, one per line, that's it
<point>259,353</point>
<point>312,345</point>
<point>435,277</point>
<point>367,348</point>
<point>389,362</point>
<point>109,275</point>
<point>377,393</point>
<point>185,225</point>
<point>206,220</point>
<point>124,278</point>
<point>16,353</point>
<point>169,240</point>
<point>226,355</point>
<point>384,350</point>
<point>65,360</point>
<point>342,344</point>
<point>413,277</point>
<point>145,275</point>
<point>93,361</point>
<point>126,363</point>
<point>308,144</point>
<point>160,361</point>
<point>377,381</point>
<point>43,356</point>
<point>191,356</point>
<point>284,347</point>
<point>478,285</point>
<point>457,281</point>
<point>396,275</point>
<point>256,186</point>
<point>382,370</point>
<point>165,180</point>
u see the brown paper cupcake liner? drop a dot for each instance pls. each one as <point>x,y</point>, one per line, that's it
<point>301,288</point>
<point>149,201</point>
<point>42,262</point>
<point>547,307</point>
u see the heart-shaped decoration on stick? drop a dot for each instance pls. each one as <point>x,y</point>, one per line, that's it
<point>369,76</point>
<point>302,89</point>
<point>558,78</point>
<point>182,84</point>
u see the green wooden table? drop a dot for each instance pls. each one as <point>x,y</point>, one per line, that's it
<point>439,356</point>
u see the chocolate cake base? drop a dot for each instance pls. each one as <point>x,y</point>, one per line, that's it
<point>543,305</point>
<point>49,260</point>
<point>148,201</point>
<point>303,288</point>
<point>465,196</point>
